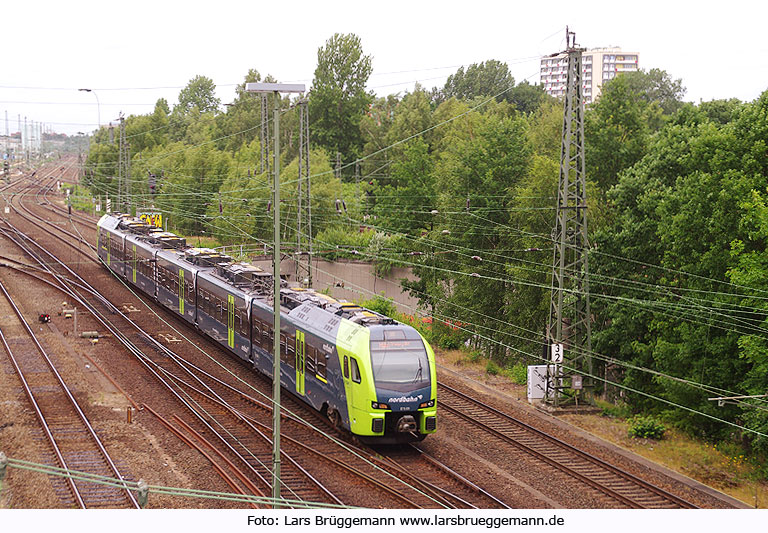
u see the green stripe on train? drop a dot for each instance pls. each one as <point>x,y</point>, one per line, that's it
<point>231,320</point>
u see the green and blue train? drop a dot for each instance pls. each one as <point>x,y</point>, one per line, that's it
<point>369,374</point>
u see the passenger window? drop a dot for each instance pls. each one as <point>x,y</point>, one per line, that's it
<point>311,357</point>
<point>284,349</point>
<point>355,371</point>
<point>291,345</point>
<point>346,367</point>
<point>321,365</point>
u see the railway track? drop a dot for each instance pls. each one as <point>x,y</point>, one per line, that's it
<point>344,469</point>
<point>69,434</point>
<point>251,450</point>
<point>625,489</point>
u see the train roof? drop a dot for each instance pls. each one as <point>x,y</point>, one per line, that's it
<point>141,230</point>
<point>250,280</point>
<point>294,297</point>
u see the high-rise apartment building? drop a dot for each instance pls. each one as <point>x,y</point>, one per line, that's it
<point>598,66</point>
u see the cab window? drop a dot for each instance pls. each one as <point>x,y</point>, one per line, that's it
<point>355,370</point>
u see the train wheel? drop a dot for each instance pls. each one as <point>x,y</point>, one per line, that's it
<point>335,418</point>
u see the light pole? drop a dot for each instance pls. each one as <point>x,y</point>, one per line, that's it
<point>98,105</point>
<point>276,89</point>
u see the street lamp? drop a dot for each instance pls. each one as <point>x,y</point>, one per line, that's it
<point>276,89</point>
<point>98,105</point>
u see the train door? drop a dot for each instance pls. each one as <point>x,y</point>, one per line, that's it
<point>301,361</point>
<point>182,291</point>
<point>352,378</point>
<point>133,264</point>
<point>230,320</point>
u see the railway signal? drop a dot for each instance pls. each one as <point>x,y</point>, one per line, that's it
<point>152,182</point>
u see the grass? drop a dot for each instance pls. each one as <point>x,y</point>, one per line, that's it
<point>716,465</point>
<point>710,464</point>
<point>201,241</point>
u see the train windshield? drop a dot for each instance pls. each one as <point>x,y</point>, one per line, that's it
<point>400,365</point>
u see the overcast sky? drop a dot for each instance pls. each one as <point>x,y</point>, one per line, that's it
<point>132,53</point>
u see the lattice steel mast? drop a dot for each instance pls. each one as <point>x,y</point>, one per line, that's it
<point>123,170</point>
<point>569,329</point>
<point>264,134</point>
<point>304,206</point>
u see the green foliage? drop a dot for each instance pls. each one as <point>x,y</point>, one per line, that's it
<point>615,410</point>
<point>475,356</point>
<point>616,131</point>
<point>199,94</point>
<point>657,86</point>
<point>338,97</point>
<point>463,193</point>
<point>528,98</point>
<point>489,78</point>
<point>449,340</point>
<point>340,243</point>
<point>646,427</point>
<point>693,205</point>
<point>519,373</point>
<point>492,368</point>
<point>409,189</point>
<point>382,305</point>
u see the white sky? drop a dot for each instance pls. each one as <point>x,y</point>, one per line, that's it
<point>121,49</point>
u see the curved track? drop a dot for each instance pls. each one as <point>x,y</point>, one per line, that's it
<point>250,450</point>
<point>624,488</point>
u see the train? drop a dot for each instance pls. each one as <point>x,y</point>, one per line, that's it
<point>369,374</point>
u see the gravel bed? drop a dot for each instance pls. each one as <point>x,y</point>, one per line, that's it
<point>145,449</point>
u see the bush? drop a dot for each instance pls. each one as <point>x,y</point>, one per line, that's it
<point>611,410</point>
<point>475,356</point>
<point>449,341</point>
<point>519,374</point>
<point>344,244</point>
<point>492,368</point>
<point>646,427</point>
<point>382,305</point>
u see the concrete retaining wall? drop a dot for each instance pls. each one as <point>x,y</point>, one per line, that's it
<point>351,280</point>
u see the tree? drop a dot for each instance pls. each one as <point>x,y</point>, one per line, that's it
<point>657,86</point>
<point>200,93</point>
<point>405,199</point>
<point>616,131</point>
<point>338,99</point>
<point>476,178</point>
<point>197,99</point>
<point>489,78</point>
<point>689,300</point>
<point>527,98</point>
<point>239,125</point>
<point>146,131</point>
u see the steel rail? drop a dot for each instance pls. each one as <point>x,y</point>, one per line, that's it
<point>83,418</point>
<point>562,445</point>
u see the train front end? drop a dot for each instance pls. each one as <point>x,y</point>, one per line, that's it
<point>403,400</point>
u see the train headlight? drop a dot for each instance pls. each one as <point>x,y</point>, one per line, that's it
<point>379,405</point>
<point>430,403</point>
